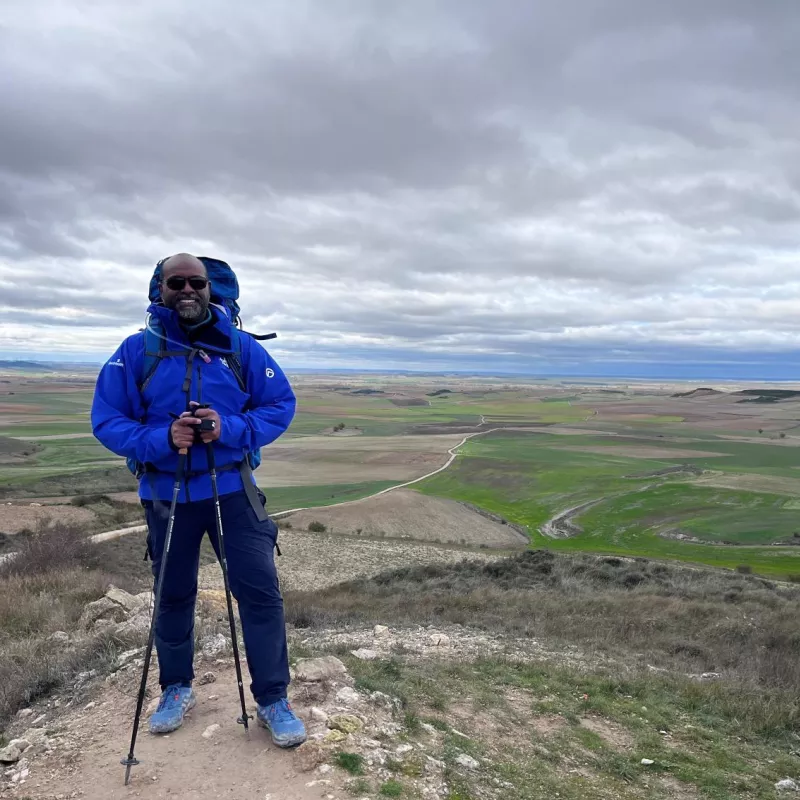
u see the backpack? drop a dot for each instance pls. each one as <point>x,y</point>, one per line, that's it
<point>224,296</point>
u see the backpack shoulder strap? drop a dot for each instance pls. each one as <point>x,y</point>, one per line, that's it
<point>236,358</point>
<point>153,353</point>
<point>154,350</point>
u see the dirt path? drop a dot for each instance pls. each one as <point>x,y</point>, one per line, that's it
<point>452,452</point>
<point>561,525</point>
<point>100,537</point>
<point>88,744</point>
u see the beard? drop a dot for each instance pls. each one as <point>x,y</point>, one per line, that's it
<point>191,311</point>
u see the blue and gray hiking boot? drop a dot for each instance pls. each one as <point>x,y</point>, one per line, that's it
<point>176,700</point>
<point>280,720</point>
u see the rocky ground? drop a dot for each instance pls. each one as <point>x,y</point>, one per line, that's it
<point>70,746</point>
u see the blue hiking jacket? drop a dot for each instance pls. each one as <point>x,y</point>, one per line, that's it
<point>136,424</point>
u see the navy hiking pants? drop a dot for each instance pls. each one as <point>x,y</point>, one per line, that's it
<point>249,547</point>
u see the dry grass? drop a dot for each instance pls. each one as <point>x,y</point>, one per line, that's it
<point>49,546</point>
<point>44,590</point>
<point>688,620</point>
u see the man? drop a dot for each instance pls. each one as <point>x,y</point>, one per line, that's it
<point>150,425</point>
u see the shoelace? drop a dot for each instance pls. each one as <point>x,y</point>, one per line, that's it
<point>171,697</point>
<point>281,711</point>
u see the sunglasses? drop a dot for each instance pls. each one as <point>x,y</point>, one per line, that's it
<point>177,282</point>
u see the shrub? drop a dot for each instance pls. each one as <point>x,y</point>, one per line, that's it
<point>351,762</point>
<point>83,500</point>
<point>51,546</point>
<point>316,527</point>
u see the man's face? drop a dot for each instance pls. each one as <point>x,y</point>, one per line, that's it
<point>186,289</point>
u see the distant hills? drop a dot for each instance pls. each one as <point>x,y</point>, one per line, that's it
<point>746,395</point>
<point>47,366</point>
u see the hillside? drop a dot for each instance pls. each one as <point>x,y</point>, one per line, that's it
<point>532,676</point>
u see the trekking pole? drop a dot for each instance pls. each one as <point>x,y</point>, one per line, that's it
<point>224,564</point>
<point>130,760</point>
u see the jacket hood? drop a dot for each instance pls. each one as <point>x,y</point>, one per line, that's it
<point>216,337</point>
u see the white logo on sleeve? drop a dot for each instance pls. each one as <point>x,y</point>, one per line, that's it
<point>224,361</point>
<point>116,363</point>
<point>270,373</point>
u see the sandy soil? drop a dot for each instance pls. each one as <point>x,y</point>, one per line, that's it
<point>324,460</point>
<point>182,765</point>
<point>768,484</point>
<point>54,436</point>
<point>406,514</point>
<point>13,518</point>
<point>633,451</point>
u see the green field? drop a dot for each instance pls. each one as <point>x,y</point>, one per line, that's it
<point>528,478</point>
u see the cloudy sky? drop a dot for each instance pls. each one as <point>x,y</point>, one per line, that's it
<point>588,186</point>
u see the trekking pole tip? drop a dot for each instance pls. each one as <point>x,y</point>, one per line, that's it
<point>128,763</point>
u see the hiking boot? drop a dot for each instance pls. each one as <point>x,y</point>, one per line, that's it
<point>279,719</point>
<point>176,700</point>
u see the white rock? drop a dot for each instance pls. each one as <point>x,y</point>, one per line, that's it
<point>102,609</point>
<point>427,727</point>
<point>214,645</point>
<point>210,731</point>
<point>365,654</point>
<point>710,676</point>
<point>319,669</point>
<point>348,696</point>
<point>128,601</point>
<point>324,769</point>
<point>10,754</point>
<point>318,715</point>
<point>25,712</point>
<point>467,761</point>
<point>35,736</point>
<point>22,744</point>
<point>787,785</point>
<point>402,749</point>
<point>439,640</point>
<point>647,762</point>
<point>380,631</point>
<point>129,655</point>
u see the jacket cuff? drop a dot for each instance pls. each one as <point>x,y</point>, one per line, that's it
<point>170,441</point>
<point>159,445</point>
<point>233,431</point>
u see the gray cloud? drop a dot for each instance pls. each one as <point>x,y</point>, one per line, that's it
<point>453,178</point>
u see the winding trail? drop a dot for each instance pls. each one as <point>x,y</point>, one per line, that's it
<point>561,525</point>
<point>452,452</point>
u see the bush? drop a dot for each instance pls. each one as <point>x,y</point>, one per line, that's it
<point>352,762</point>
<point>317,527</point>
<point>83,500</point>
<point>744,569</point>
<point>50,546</point>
